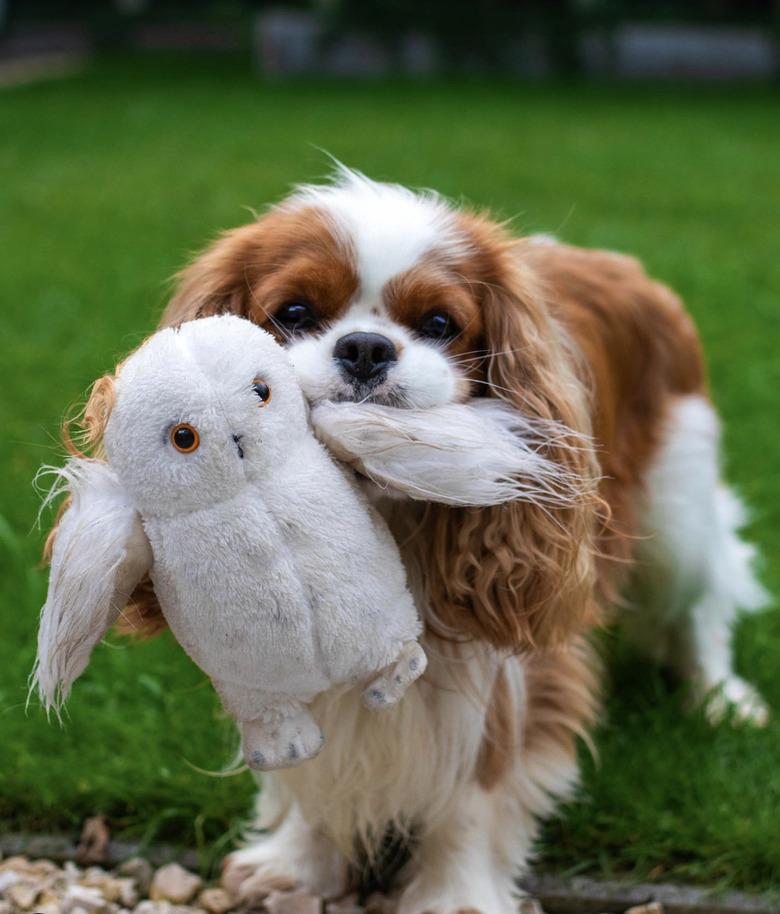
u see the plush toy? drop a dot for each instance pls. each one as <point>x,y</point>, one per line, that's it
<point>272,570</point>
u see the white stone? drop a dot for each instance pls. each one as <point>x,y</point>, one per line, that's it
<point>7,879</point>
<point>86,898</point>
<point>23,895</point>
<point>139,870</point>
<point>293,903</point>
<point>154,907</point>
<point>173,883</point>
<point>530,905</point>
<point>216,901</point>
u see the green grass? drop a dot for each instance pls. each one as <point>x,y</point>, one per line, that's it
<point>109,182</point>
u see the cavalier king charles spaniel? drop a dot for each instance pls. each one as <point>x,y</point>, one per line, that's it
<point>400,299</point>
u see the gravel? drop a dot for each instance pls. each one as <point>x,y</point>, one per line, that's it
<point>41,886</point>
<point>29,886</point>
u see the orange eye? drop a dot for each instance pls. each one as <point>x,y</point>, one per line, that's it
<point>262,390</point>
<point>185,438</point>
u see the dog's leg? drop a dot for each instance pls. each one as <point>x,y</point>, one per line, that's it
<point>295,855</point>
<point>468,859</point>
<point>693,570</point>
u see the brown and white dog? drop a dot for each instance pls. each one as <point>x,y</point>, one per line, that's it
<point>399,298</point>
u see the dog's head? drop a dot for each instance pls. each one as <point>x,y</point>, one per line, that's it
<point>379,293</point>
<point>399,298</point>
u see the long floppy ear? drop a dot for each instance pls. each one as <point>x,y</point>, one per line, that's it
<point>99,553</point>
<point>521,575</point>
<point>220,279</point>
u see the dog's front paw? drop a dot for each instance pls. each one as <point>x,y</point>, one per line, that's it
<point>250,879</point>
<point>294,857</point>
<point>736,698</point>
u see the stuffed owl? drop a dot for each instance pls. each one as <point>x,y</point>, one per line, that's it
<point>272,570</point>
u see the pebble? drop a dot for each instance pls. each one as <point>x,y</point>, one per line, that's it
<point>23,895</point>
<point>349,904</point>
<point>529,905</point>
<point>21,865</point>
<point>7,879</point>
<point>292,903</point>
<point>154,907</point>
<point>120,890</point>
<point>85,898</point>
<point>140,871</point>
<point>652,907</point>
<point>215,901</point>
<point>341,907</point>
<point>48,907</point>
<point>173,883</point>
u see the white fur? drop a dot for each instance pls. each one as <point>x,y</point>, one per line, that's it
<point>423,376</point>
<point>386,228</point>
<point>385,231</point>
<point>100,554</point>
<point>481,453</point>
<point>471,843</point>
<point>693,571</point>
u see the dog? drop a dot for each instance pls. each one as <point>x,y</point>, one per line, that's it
<point>399,298</point>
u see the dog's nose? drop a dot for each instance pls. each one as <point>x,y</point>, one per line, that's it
<point>364,356</point>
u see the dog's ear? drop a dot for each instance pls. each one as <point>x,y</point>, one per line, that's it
<point>521,575</point>
<point>220,279</point>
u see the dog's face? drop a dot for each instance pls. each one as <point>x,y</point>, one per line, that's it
<point>401,325</point>
<point>376,292</point>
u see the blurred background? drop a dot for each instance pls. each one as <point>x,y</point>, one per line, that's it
<point>617,39</point>
<point>132,132</point>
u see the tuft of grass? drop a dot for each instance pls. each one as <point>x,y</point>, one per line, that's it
<point>113,179</point>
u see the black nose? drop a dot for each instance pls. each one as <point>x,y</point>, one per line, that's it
<point>364,356</point>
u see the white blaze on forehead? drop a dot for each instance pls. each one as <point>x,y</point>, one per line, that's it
<point>387,228</point>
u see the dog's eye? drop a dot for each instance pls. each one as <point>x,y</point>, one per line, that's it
<point>438,325</point>
<point>185,438</point>
<point>296,316</point>
<point>262,390</point>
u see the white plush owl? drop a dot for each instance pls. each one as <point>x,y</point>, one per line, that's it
<point>272,570</point>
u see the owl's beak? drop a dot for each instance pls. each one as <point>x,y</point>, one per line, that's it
<point>237,440</point>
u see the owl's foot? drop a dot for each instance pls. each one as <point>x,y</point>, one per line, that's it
<point>388,689</point>
<point>282,743</point>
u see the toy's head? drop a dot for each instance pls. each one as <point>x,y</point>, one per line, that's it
<point>199,410</point>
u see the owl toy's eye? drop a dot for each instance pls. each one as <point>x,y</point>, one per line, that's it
<point>262,390</point>
<point>185,438</point>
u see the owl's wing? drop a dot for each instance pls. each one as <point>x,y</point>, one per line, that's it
<point>100,553</point>
<point>478,453</point>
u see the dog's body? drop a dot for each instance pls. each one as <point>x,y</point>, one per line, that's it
<point>385,295</point>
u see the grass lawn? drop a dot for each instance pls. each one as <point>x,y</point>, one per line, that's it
<point>111,179</point>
